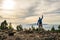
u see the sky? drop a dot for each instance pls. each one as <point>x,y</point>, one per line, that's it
<point>28,11</point>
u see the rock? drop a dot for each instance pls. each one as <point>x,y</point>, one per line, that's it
<point>18,38</point>
<point>36,38</point>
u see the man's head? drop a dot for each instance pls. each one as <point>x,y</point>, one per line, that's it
<point>39,18</point>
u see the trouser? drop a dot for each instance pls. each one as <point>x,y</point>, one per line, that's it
<point>40,25</point>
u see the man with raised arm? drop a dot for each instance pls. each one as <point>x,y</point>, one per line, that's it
<point>39,23</point>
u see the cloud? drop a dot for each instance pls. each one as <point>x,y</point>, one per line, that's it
<point>57,11</point>
<point>1,17</point>
<point>28,11</point>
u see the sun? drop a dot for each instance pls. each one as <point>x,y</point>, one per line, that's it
<point>8,7</point>
<point>8,4</point>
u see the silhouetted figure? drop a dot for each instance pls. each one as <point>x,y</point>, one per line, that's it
<point>39,23</point>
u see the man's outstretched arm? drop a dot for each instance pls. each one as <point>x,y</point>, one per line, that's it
<point>42,16</point>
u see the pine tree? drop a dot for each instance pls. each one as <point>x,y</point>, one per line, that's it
<point>53,29</point>
<point>4,25</point>
<point>0,27</point>
<point>19,27</point>
<point>59,28</point>
<point>10,27</point>
<point>33,28</point>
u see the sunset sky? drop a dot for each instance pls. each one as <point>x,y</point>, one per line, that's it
<point>28,11</point>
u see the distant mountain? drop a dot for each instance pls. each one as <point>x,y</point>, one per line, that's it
<point>35,24</point>
<point>45,26</point>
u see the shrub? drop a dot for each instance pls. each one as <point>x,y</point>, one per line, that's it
<point>33,28</point>
<point>53,29</point>
<point>59,28</point>
<point>10,27</point>
<point>19,27</point>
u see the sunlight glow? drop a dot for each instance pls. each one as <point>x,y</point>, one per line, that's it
<point>8,7</point>
<point>8,4</point>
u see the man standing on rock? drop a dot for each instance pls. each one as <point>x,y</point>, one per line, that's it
<point>39,23</point>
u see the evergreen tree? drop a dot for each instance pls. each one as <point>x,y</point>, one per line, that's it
<point>10,27</point>
<point>19,27</point>
<point>4,25</point>
<point>53,29</point>
<point>0,27</point>
<point>33,28</point>
<point>59,28</point>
